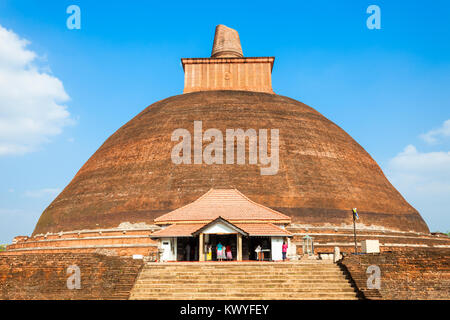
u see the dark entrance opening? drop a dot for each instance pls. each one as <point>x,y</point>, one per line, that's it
<point>212,240</point>
<point>264,243</point>
<point>187,249</point>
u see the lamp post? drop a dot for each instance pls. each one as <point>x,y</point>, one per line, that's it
<point>355,216</point>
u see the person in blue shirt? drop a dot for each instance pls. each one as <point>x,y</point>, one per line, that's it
<point>219,251</point>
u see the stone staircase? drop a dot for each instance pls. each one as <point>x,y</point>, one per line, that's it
<point>309,280</point>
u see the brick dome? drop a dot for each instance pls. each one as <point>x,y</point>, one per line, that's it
<point>323,172</point>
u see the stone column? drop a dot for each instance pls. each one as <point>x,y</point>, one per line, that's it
<point>201,255</point>
<point>337,254</point>
<point>239,247</point>
<point>292,250</point>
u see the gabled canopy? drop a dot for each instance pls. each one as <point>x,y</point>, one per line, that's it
<point>245,229</point>
<point>221,221</point>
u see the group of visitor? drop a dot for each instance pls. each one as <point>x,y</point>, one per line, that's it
<point>223,252</point>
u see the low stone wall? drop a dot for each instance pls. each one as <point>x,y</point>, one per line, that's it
<point>126,242</point>
<point>422,274</point>
<point>116,242</point>
<point>326,239</point>
<point>45,276</point>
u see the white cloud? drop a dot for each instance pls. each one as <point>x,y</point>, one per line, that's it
<point>424,179</point>
<point>31,100</point>
<point>433,136</point>
<point>431,163</point>
<point>46,192</point>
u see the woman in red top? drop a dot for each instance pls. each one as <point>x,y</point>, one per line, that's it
<point>228,251</point>
<point>284,250</point>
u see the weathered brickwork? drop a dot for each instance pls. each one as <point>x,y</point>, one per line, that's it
<point>322,171</point>
<point>44,276</point>
<point>249,74</point>
<point>131,177</point>
<point>419,274</point>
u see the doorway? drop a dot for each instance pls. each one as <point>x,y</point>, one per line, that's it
<point>264,243</point>
<point>213,240</point>
<point>187,249</point>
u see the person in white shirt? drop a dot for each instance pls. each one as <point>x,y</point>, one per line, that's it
<point>258,252</point>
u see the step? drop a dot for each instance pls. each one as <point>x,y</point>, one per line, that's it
<point>243,271</point>
<point>208,296</point>
<point>243,277</point>
<point>241,290</point>
<point>209,274</point>
<point>242,282</point>
<point>238,264</point>
<point>230,267</point>
<point>324,298</point>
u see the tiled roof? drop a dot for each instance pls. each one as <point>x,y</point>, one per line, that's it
<point>177,230</point>
<point>229,204</point>
<point>252,229</point>
<point>263,229</point>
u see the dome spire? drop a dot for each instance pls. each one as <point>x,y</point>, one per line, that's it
<point>227,68</point>
<point>226,43</point>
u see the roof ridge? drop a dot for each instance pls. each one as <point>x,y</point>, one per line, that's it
<point>186,205</point>
<point>262,206</point>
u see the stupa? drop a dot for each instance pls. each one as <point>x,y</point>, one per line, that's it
<point>131,180</point>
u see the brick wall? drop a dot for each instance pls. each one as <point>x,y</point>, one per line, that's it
<point>422,274</point>
<point>249,74</point>
<point>44,276</point>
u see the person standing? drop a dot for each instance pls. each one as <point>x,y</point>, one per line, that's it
<point>209,253</point>
<point>258,252</point>
<point>219,252</point>
<point>284,250</point>
<point>228,252</point>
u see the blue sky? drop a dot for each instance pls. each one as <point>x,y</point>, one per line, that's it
<point>388,88</point>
